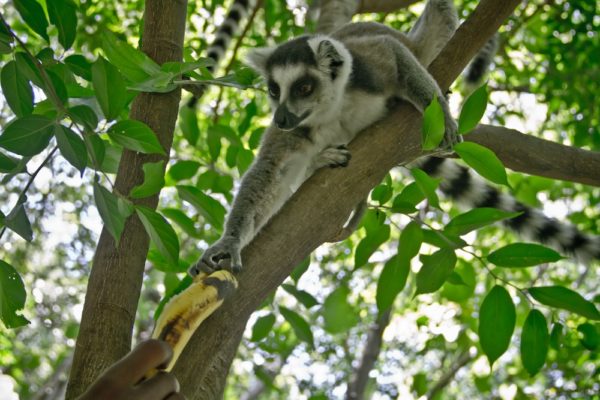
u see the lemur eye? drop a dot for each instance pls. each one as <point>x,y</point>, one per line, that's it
<point>273,90</point>
<point>305,89</point>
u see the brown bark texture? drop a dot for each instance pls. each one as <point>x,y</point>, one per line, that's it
<point>535,156</point>
<point>116,276</point>
<point>318,210</point>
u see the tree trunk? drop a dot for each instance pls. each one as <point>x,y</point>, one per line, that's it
<point>318,210</point>
<point>116,276</point>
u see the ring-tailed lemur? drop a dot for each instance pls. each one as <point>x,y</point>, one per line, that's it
<point>324,90</point>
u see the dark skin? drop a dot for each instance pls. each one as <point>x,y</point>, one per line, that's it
<point>123,381</point>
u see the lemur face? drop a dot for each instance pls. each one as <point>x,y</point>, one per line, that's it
<point>303,78</point>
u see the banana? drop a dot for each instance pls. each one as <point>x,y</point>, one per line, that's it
<point>185,311</point>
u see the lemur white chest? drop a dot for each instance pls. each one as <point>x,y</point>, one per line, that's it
<point>362,110</point>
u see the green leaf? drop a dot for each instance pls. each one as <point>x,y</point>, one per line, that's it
<point>433,125</point>
<point>133,64</point>
<point>435,270</point>
<point>475,219</point>
<point>561,297</point>
<point>62,14</point>
<point>7,164</point>
<point>307,299</point>
<point>556,335</point>
<point>80,66</point>
<point>214,142</point>
<point>212,211</point>
<point>523,255</point>
<point>33,14</point>
<point>153,180</point>
<point>473,110</point>
<point>188,123</point>
<point>591,338</point>
<point>110,88</point>
<point>370,244</point>
<point>97,150</point>
<point>339,316</point>
<point>391,282</point>
<point>18,222</point>
<point>427,185</point>
<point>395,271</point>
<point>534,342</point>
<point>184,222</point>
<point>161,233</point>
<point>12,296</point>
<point>16,89</point>
<point>71,147</point>
<point>84,116</point>
<point>408,199</point>
<point>299,325</point>
<point>108,208</point>
<point>382,193</point>
<point>183,169</point>
<point>300,269</point>
<point>262,327</point>
<point>136,136</point>
<point>497,317</point>
<point>482,160</point>
<point>27,136</point>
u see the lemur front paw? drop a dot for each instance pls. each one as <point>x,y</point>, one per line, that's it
<point>224,254</point>
<point>335,157</point>
<point>451,136</point>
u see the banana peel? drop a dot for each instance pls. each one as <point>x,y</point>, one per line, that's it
<point>184,313</point>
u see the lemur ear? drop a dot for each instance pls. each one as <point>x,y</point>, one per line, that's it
<point>328,58</point>
<point>257,59</point>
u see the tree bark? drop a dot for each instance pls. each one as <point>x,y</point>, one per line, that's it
<point>116,276</point>
<point>318,210</point>
<point>335,13</point>
<point>377,6</point>
<point>360,375</point>
<point>535,156</point>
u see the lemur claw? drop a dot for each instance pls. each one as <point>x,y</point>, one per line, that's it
<point>222,255</point>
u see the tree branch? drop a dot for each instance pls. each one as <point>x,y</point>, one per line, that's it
<point>335,13</point>
<point>116,277</point>
<point>463,360</point>
<point>360,375</point>
<point>382,6</point>
<point>316,212</point>
<point>535,156</point>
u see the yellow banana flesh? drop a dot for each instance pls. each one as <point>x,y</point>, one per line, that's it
<point>185,311</point>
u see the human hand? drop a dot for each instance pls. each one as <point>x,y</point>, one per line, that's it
<point>123,381</point>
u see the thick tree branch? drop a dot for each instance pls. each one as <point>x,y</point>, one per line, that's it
<point>335,13</point>
<point>382,6</point>
<point>116,276</point>
<point>318,210</point>
<point>535,156</point>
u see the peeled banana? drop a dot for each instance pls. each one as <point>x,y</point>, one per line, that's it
<point>185,311</point>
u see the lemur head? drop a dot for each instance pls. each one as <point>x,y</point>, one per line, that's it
<point>306,78</point>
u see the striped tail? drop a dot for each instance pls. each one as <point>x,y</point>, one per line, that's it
<point>239,10</point>
<point>479,66</point>
<point>469,189</point>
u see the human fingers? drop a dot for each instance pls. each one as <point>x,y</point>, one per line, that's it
<point>147,355</point>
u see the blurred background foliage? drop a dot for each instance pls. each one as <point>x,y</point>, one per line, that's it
<point>544,82</point>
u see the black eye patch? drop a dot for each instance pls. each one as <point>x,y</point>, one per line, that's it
<point>304,86</point>
<point>273,89</point>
